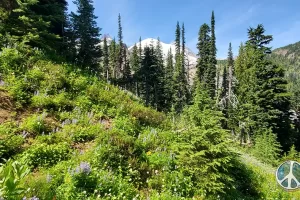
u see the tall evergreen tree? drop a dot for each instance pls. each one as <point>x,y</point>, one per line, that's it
<point>177,41</point>
<point>159,86</point>
<point>106,60</point>
<point>87,35</point>
<point>120,48</point>
<point>230,64</point>
<point>54,12</point>
<point>204,49</point>
<point>113,59</point>
<point>135,66</point>
<point>184,66</point>
<point>126,79</point>
<point>20,23</point>
<point>263,98</point>
<point>169,84</point>
<point>180,91</point>
<point>213,60</point>
<point>151,85</point>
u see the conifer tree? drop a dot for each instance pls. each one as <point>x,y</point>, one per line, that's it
<point>147,71</point>
<point>169,84</point>
<point>204,49</point>
<point>120,48</point>
<point>127,79</point>
<point>135,66</point>
<point>211,82</point>
<point>180,97</point>
<point>20,23</point>
<point>140,49</point>
<point>54,12</point>
<point>231,98</point>
<point>177,42</point>
<point>113,59</point>
<point>159,86</point>
<point>224,92</point>
<point>263,99</point>
<point>106,60</point>
<point>230,64</point>
<point>151,82</point>
<point>185,83</point>
<point>87,35</point>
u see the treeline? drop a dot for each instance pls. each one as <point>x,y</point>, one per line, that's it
<point>251,91</point>
<point>255,99</point>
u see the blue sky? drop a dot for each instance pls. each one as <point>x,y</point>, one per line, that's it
<point>158,18</point>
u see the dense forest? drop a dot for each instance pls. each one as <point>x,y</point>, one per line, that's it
<point>82,117</point>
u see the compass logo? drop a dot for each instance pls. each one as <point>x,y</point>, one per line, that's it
<point>288,175</point>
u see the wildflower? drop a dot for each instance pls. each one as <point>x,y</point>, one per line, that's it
<point>48,178</point>
<point>2,83</point>
<point>24,134</point>
<point>34,198</point>
<point>36,93</point>
<point>84,167</point>
<point>148,153</point>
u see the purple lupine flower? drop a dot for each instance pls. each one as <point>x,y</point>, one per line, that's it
<point>74,121</point>
<point>48,178</point>
<point>2,83</point>
<point>84,167</point>
<point>34,198</point>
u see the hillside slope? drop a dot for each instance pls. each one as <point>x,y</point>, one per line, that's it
<point>289,58</point>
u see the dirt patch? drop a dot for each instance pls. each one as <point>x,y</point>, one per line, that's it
<point>6,106</point>
<point>282,52</point>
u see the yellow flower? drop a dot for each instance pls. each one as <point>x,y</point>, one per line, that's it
<point>148,153</point>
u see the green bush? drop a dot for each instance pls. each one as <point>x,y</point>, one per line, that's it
<point>115,149</point>
<point>10,142</point>
<point>43,155</point>
<point>266,147</point>
<point>20,89</point>
<point>35,124</point>
<point>11,60</point>
<point>128,125</point>
<point>173,182</point>
<point>85,134</point>
<point>101,184</point>
<point>11,176</point>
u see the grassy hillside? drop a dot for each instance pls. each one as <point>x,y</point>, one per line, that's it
<point>67,135</point>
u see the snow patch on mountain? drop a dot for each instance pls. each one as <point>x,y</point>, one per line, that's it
<point>191,56</point>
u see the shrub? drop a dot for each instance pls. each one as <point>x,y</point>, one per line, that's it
<point>55,102</point>
<point>47,155</point>
<point>266,147</point>
<point>11,176</point>
<point>85,134</point>
<point>115,186</point>
<point>10,142</point>
<point>11,60</point>
<point>116,149</point>
<point>128,125</point>
<point>20,89</point>
<point>35,124</point>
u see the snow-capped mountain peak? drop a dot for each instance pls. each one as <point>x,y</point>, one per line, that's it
<point>191,56</point>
